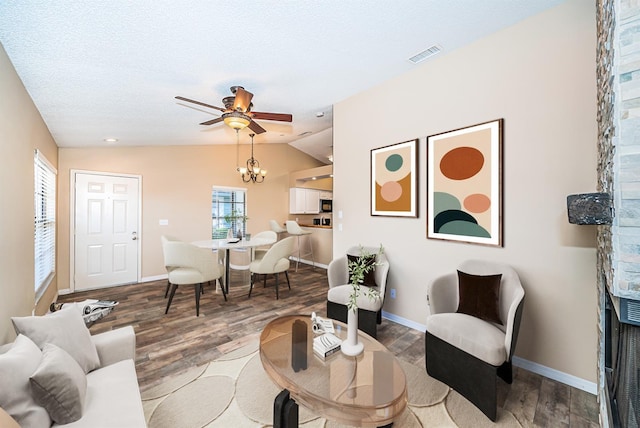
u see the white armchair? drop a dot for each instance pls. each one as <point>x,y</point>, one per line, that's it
<point>188,264</point>
<point>464,351</point>
<point>369,311</point>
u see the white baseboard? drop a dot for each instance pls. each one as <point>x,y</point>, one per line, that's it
<point>557,375</point>
<point>545,371</point>
<point>403,321</point>
<point>154,278</point>
<point>309,262</point>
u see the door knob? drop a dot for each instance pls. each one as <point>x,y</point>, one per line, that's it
<point>134,236</point>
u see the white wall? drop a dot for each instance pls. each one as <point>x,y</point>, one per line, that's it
<point>538,75</point>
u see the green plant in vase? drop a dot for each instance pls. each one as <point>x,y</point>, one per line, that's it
<point>358,269</point>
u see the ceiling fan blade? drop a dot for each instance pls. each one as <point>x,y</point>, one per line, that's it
<point>200,103</point>
<point>212,121</point>
<point>253,125</point>
<point>283,117</point>
<point>243,100</point>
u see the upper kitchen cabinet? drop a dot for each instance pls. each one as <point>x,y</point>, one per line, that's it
<point>304,201</point>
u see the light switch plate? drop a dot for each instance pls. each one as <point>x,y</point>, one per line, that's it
<point>163,222</point>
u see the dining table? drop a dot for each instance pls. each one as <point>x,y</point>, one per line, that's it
<point>230,244</point>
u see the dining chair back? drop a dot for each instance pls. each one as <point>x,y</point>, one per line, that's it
<point>259,252</point>
<point>187,264</point>
<point>274,261</point>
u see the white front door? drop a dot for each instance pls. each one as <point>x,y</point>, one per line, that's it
<point>106,230</point>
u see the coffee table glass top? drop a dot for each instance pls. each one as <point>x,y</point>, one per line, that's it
<point>368,390</point>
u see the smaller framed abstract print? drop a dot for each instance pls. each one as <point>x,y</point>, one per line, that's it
<point>464,184</point>
<point>394,180</point>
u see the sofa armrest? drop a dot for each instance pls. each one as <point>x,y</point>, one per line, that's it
<point>115,345</point>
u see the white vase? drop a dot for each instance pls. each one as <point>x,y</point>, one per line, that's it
<point>352,346</point>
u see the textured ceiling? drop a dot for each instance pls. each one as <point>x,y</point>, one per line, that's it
<point>98,69</point>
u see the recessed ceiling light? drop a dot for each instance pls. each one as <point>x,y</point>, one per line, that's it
<point>320,114</point>
<point>111,140</point>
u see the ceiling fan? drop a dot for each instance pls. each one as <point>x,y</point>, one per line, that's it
<point>237,111</point>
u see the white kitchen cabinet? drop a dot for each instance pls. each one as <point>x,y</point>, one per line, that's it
<point>304,201</point>
<point>312,202</point>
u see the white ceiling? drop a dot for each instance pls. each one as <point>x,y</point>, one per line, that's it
<point>111,68</point>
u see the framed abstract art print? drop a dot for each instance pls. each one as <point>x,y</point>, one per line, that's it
<point>464,184</point>
<point>394,180</point>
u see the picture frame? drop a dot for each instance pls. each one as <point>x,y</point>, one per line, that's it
<point>394,180</point>
<point>464,184</point>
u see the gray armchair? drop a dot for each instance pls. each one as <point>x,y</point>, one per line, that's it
<point>464,351</point>
<point>369,311</point>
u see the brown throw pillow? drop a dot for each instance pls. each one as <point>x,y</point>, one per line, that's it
<point>479,296</point>
<point>370,276</point>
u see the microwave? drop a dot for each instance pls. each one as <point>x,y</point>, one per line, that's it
<point>326,205</point>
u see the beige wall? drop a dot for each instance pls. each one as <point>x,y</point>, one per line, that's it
<point>21,132</point>
<point>538,75</point>
<point>176,185</point>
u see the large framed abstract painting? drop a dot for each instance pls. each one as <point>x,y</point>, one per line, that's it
<point>394,180</point>
<point>464,184</point>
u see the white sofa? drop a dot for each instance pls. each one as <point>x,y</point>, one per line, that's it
<point>112,396</point>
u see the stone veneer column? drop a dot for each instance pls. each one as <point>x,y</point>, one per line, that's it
<point>618,80</point>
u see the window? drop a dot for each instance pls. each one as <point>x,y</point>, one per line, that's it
<point>228,210</point>
<point>45,221</point>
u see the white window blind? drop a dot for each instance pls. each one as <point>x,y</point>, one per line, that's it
<point>45,221</point>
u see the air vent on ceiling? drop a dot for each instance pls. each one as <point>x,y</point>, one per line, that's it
<point>427,53</point>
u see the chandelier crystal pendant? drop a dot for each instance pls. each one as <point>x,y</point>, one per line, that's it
<point>252,172</point>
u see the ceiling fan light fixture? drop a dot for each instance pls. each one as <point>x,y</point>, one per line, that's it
<point>236,120</point>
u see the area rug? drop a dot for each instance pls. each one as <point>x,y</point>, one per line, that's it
<point>234,391</point>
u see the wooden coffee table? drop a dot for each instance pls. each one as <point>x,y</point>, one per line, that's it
<point>369,390</point>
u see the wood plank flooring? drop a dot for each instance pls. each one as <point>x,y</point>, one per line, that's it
<point>171,343</point>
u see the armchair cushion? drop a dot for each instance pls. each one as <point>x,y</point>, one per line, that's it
<point>64,328</point>
<point>481,339</point>
<point>479,296</point>
<point>59,385</point>
<point>369,277</point>
<point>341,293</point>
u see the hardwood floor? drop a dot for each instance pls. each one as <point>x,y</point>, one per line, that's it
<point>168,344</point>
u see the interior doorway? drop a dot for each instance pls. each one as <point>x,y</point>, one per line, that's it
<point>105,225</point>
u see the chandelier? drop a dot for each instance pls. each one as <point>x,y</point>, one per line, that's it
<point>252,172</point>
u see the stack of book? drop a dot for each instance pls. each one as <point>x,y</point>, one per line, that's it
<point>325,345</point>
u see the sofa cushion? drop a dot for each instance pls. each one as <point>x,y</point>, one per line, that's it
<point>479,296</point>
<point>112,399</point>
<point>474,336</point>
<point>16,365</point>
<point>65,329</point>
<point>59,385</point>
